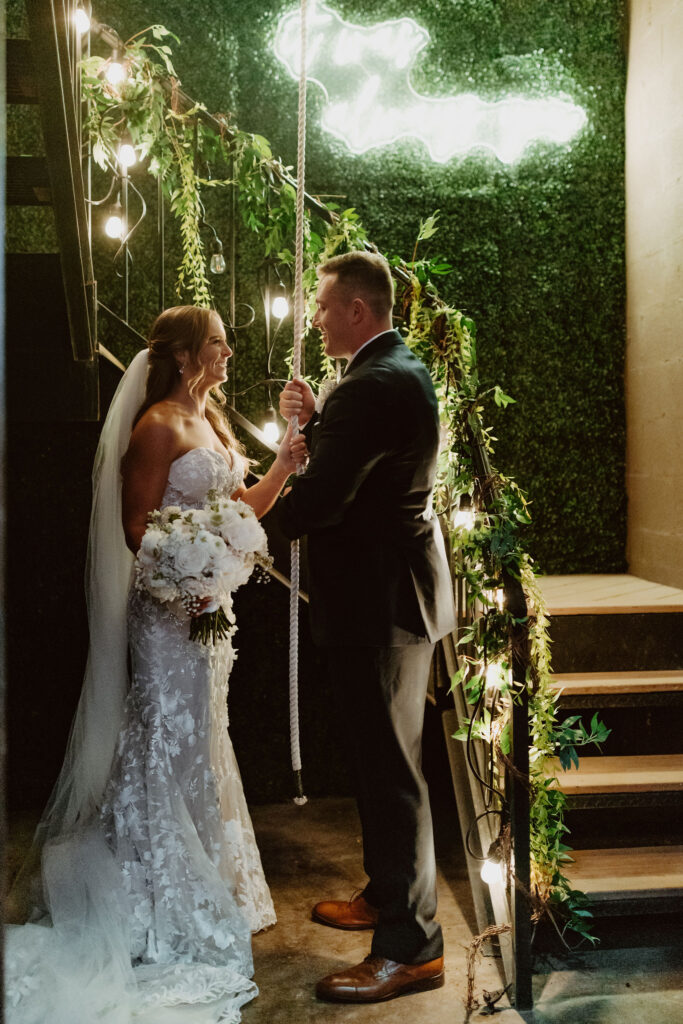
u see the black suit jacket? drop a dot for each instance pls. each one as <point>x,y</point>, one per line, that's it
<point>376,554</point>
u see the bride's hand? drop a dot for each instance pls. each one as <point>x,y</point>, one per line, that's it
<point>293,451</point>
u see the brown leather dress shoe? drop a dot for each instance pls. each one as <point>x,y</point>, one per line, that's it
<point>376,979</point>
<point>352,915</point>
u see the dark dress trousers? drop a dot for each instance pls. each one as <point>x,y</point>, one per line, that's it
<point>381,595</point>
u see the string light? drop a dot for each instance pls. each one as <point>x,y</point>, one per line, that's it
<point>115,72</point>
<point>464,519</point>
<point>217,262</point>
<point>114,225</point>
<point>271,429</point>
<point>82,21</point>
<point>280,307</point>
<point>127,155</point>
<point>491,872</point>
<point>496,675</point>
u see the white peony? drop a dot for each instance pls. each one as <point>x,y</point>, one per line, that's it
<point>245,534</point>
<point>151,541</point>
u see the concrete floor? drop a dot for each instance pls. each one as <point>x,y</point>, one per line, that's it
<point>314,852</point>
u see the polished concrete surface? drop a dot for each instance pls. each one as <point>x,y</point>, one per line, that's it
<point>314,852</point>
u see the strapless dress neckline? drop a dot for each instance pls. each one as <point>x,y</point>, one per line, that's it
<point>203,448</point>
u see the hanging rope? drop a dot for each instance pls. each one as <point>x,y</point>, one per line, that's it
<point>296,373</point>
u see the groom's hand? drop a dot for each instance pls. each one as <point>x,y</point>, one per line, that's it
<point>297,399</point>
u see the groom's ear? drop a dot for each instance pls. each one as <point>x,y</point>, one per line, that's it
<point>359,311</point>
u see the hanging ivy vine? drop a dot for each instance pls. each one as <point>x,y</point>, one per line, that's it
<point>185,151</point>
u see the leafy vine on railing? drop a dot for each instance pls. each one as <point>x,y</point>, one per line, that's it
<point>183,149</point>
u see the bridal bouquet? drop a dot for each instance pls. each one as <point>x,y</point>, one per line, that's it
<point>201,553</point>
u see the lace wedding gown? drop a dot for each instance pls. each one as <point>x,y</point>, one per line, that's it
<point>152,906</point>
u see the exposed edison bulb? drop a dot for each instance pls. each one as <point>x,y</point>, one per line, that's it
<point>496,675</point>
<point>280,307</point>
<point>115,73</point>
<point>82,21</point>
<point>464,519</point>
<point>217,263</point>
<point>127,155</point>
<point>114,226</point>
<point>271,431</point>
<point>491,872</point>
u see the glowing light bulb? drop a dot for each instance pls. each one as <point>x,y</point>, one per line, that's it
<point>82,21</point>
<point>127,155</point>
<point>464,519</point>
<point>217,263</point>
<point>491,872</point>
<point>271,431</point>
<point>114,226</point>
<point>115,73</point>
<point>280,307</point>
<point>496,675</point>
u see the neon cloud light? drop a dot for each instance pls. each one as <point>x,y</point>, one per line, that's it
<point>365,75</point>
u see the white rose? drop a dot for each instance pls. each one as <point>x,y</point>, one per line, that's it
<point>217,546</point>
<point>192,557</point>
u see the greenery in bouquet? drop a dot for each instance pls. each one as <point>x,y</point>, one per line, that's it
<point>201,555</point>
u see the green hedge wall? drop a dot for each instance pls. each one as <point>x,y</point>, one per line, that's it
<point>537,247</point>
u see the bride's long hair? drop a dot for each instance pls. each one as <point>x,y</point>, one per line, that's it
<point>184,329</point>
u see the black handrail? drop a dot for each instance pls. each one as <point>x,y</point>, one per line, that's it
<point>515,603</point>
<point>51,29</point>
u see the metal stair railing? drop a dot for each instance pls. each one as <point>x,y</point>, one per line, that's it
<point>56,52</point>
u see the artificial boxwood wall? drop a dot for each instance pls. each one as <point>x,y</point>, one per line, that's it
<point>537,247</point>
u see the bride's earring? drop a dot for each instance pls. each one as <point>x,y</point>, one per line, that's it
<point>181,370</point>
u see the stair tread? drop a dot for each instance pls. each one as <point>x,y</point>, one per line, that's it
<point>607,594</point>
<point>627,774</point>
<point>576,683</point>
<point>609,874</point>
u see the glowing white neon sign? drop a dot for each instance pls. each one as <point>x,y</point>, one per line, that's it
<point>364,73</point>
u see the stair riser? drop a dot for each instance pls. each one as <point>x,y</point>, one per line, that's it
<point>617,643</point>
<point>604,828</point>
<point>635,730</point>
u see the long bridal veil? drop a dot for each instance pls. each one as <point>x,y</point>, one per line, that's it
<point>77,793</point>
<point>71,964</point>
<point>78,969</point>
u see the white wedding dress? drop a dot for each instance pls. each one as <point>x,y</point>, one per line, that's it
<point>153,903</point>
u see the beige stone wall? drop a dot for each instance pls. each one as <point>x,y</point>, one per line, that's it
<point>654,260</point>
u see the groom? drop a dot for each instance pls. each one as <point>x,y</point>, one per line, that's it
<point>381,596</point>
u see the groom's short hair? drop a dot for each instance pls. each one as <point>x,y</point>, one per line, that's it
<point>364,275</point>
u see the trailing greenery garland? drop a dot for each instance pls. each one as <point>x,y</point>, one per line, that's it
<point>186,153</point>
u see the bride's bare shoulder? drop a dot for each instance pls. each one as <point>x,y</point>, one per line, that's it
<point>156,436</point>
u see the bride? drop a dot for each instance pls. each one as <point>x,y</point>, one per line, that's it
<point>145,882</point>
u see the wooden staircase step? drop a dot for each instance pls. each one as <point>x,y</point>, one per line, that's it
<point>608,594</point>
<point>579,684</point>
<point>648,773</point>
<point>619,874</point>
